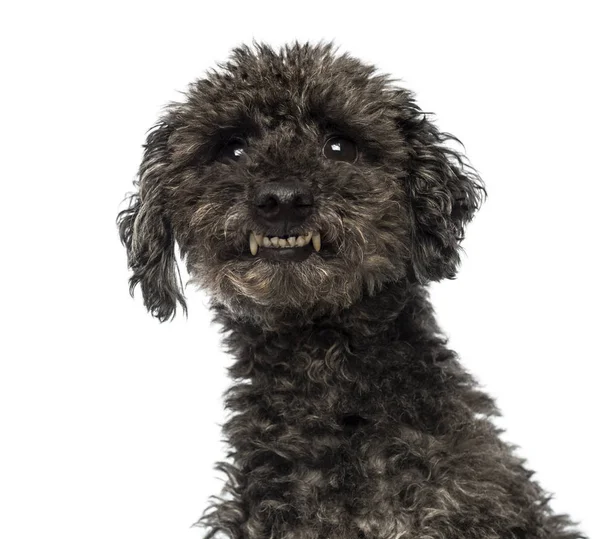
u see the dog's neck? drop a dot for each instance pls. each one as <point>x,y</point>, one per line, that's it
<point>399,313</point>
<point>379,355</point>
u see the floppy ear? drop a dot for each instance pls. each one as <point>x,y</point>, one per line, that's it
<point>146,232</point>
<point>444,193</point>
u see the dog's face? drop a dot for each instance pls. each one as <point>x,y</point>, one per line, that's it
<point>295,182</point>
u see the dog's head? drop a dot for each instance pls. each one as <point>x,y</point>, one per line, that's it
<point>295,181</point>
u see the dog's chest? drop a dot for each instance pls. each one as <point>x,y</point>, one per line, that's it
<point>323,455</point>
<point>321,439</point>
<point>343,481</point>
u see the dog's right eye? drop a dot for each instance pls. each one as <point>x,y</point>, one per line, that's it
<point>233,150</point>
<point>340,149</point>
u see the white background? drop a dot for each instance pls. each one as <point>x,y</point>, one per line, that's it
<point>109,420</point>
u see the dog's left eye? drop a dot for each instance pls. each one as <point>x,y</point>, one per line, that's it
<point>340,149</point>
<point>233,150</point>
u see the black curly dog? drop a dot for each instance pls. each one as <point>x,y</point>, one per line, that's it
<point>315,201</point>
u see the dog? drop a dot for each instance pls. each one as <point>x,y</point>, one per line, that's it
<point>314,201</point>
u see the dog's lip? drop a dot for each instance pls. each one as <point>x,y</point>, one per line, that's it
<point>283,255</point>
<point>286,254</point>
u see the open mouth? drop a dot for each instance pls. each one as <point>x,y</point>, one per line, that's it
<point>293,248</point>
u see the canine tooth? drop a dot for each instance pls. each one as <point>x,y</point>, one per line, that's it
<point>282,242</point>
<point>292,241</point>
<point>300,241</point>
<point>316,241</point>
<point>253,244</point>
<point>266,242</point>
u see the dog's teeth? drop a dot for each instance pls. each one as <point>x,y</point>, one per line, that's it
<point>260,240</point>
<point>253,244</point>
<point>316,241</point>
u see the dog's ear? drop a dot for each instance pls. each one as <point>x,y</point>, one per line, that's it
<point>146,231</point>
<point>443,190</point>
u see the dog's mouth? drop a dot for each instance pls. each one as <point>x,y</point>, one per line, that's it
<point>294,248</point>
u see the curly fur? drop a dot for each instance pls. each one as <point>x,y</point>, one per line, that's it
<point>350,418</point>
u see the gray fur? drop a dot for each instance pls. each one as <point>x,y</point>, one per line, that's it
<point>350,418</point>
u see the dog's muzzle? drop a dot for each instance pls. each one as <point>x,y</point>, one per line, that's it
<point>281,208</point>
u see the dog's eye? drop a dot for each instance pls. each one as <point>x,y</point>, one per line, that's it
<point>233,150</point>
<point>340,149</point>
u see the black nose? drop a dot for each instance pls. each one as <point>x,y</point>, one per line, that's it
<point>283,203</point>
